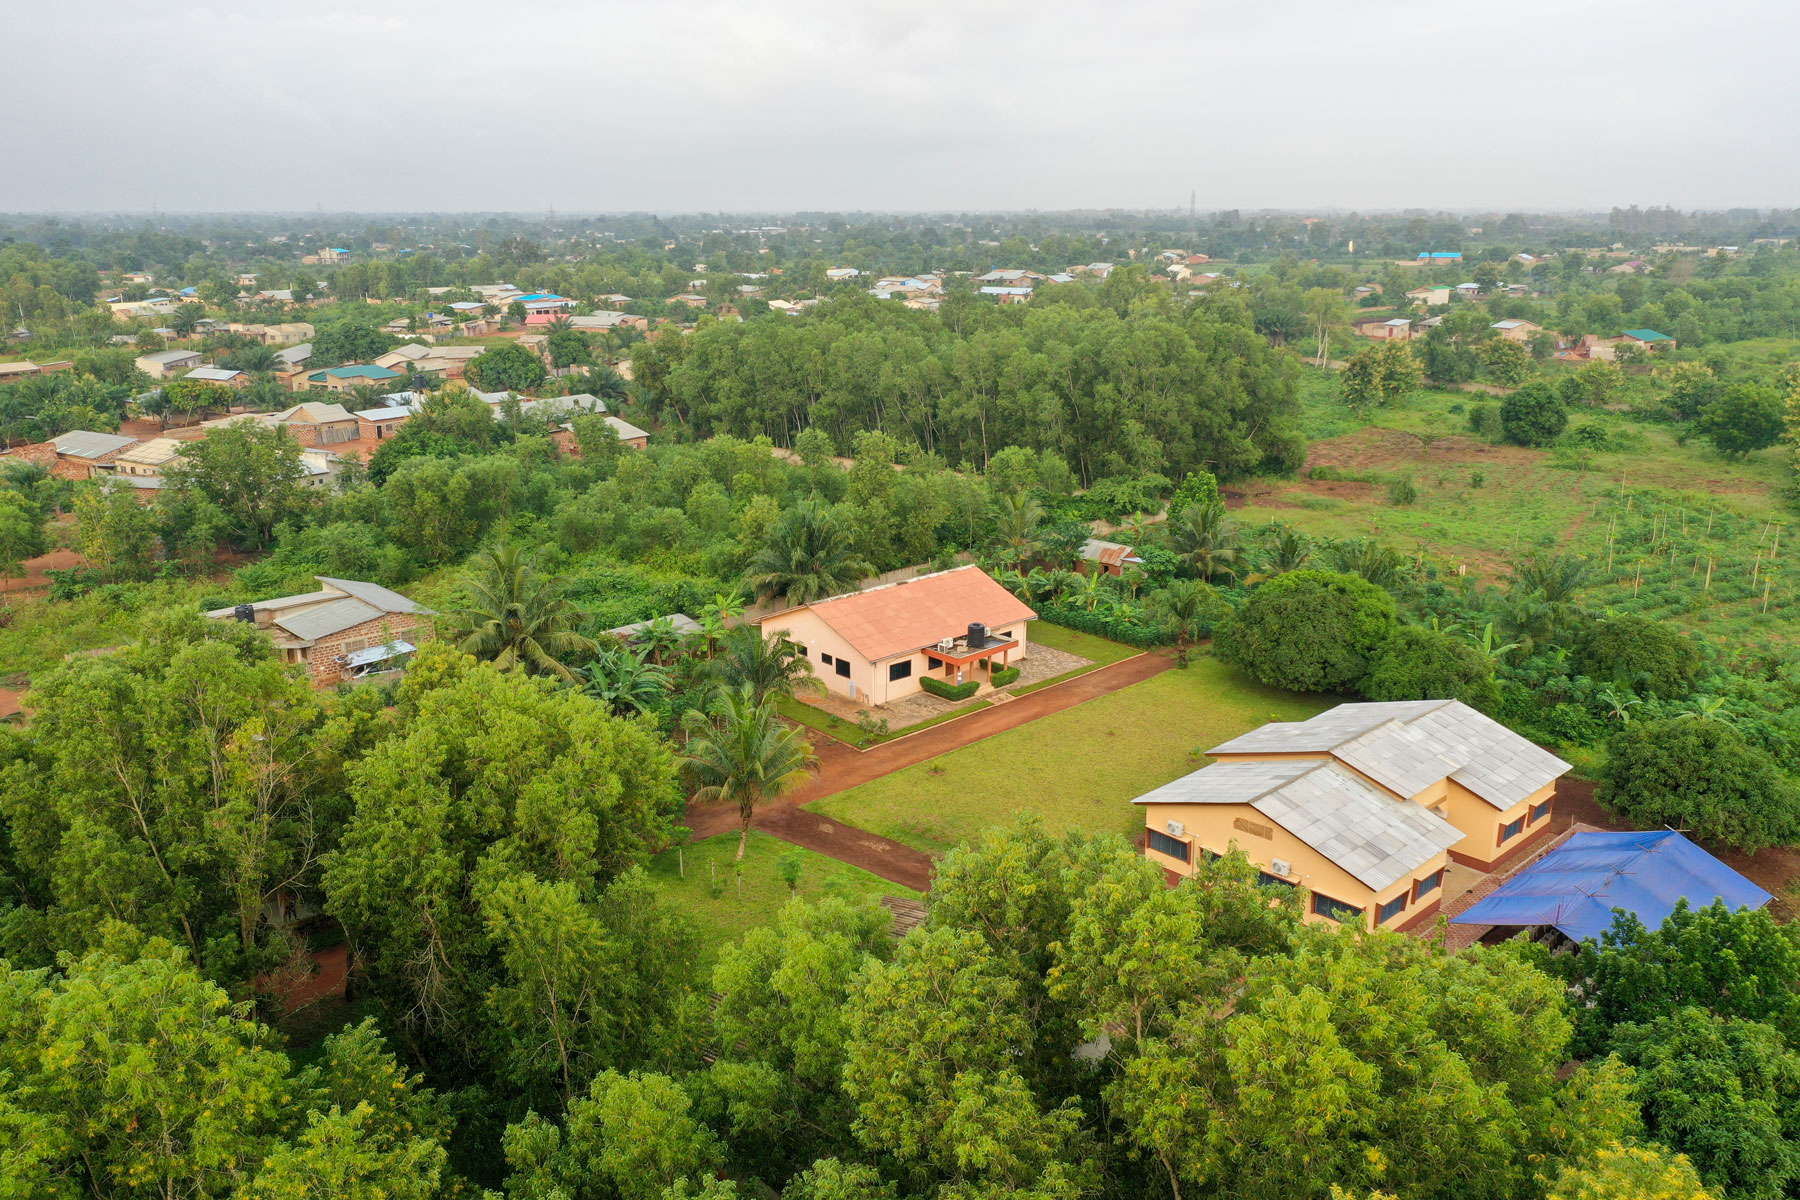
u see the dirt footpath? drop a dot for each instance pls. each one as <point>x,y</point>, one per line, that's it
<point>841,768</point>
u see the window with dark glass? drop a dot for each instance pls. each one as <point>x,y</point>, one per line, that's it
<point>900,670</point>
<point>1337,910</point>
<point>802,651</point>
<point>1268,880</point>
<point>1428,884</point>
<point>843,667</point>
<point>1508,832</point>
<point>1538,812</point>
<point>826,659</point>
<point>1162,843</point>
<point>1391,909</point>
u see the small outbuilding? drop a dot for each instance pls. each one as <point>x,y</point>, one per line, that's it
<point>1574,889</point>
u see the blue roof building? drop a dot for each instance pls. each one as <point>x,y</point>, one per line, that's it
<point>1575,888</point>
<point>1441,255</point>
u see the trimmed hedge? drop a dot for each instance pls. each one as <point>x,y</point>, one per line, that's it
<point>1005,676</point>
<point>950,691</point>
<point>1114,629</point>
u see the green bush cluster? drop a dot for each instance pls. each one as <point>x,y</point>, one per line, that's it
<point>1005,676</point>
<point>1117,629</point>
<point>950,691</point>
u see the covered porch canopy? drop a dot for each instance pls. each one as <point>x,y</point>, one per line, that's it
<point>362,662</point>
<point>990,654</point>
<point>1575,888</point>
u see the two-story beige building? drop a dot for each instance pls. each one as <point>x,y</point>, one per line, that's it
<point>1364,805</point>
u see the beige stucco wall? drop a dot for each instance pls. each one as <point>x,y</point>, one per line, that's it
<point>1481,822</point>
<point>1213,827</point>
<point>871,683</point>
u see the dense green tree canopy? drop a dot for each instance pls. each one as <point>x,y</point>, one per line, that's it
<point>1534,415</point>
<point>1647,656</point>
<point>1701,776</point>
<point>1416,663</point>
<point>1309,631</point>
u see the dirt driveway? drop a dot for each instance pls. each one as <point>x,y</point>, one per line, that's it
<point>841,768</point>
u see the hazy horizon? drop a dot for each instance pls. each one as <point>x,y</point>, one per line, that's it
<point>1556,106</point>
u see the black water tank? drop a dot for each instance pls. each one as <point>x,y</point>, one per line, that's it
<point>245,612</point>
<point>977,633</point>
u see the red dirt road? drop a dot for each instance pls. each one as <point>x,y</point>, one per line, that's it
<point>841,768</point>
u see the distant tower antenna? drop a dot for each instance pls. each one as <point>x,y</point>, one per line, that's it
<point>1191,194</point>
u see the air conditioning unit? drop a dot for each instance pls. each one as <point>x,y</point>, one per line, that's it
<point>1281,867</point>
<point>1174,828</point>
<point>947,644</point>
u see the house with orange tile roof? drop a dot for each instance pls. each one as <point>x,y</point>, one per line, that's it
<point>874,646</point>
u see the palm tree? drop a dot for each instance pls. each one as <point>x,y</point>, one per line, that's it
<point>767,666</point>
<point>517,617</point>
<point>1554,577</point>
<point>1380,565</point>
<point>1016,521</point>
<point>608,384</point>
<point>254,359</point>
<point>1285,548</point>
<point>809,555</point>
<point>1181,608</point>
<point>1206,539</point>
<point>621,679</point>
<point>726,608</point>
<point>740,752</point>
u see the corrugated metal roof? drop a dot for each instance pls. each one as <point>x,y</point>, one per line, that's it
<point>85,443</point>
<point>681,622</point>
<point>373,593</point>
<point>311,624</point>
<point>1360,828</point>
<point>1412,740</point>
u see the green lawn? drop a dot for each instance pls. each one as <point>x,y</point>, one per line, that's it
<point>1079,768</point>
<point>1098,649</point>
<point>757,896</point>
<point>1041,633</point>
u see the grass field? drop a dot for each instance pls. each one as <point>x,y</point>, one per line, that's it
<point>754,896</point>
<point>1097,649</point>
<point>1666,507</point>
<point>1078,769</point>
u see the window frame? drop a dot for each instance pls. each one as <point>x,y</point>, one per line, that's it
<point>900,670</point>
<point>842,667</point>
<point>1537,812</point>
<point>1393,908</point>
<point>1511,830</point>
<point>1431,883</point>
<point>1320,899</point>
<point>1186,848</point>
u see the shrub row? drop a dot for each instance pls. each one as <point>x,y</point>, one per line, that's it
<point>950,691</point>
<point>1005,676</point>
<point>1117,629</point>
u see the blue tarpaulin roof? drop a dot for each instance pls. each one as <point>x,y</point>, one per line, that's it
<point>1576,886</point>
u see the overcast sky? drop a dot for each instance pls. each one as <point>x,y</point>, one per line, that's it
<point>777,105</point>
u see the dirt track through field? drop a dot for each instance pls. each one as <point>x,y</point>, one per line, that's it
<point>842,768</point>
